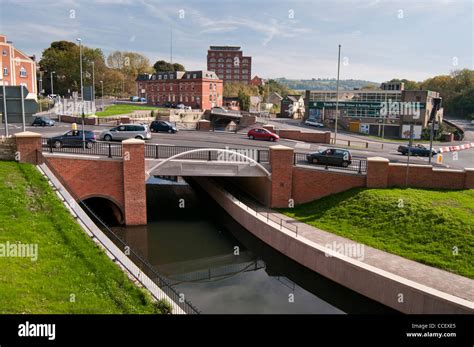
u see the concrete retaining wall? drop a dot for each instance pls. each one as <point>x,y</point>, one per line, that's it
<point>367,280</point>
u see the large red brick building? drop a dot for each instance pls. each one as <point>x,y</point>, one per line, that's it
<point>229,63</point>
<point>198,89</point>
<point>17,68</point>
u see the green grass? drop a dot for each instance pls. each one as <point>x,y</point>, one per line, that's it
<point>123,109</point>
<point>69,262</point>
<point>422,225</point>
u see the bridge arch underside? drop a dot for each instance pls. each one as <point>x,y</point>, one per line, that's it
<point>223,122</point>
<point>105,208</point>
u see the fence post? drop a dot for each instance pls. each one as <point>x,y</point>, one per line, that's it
<point>360,166</point>
<point>258,156</point>
<point>110,150</point>
<point>156,151</point>
<point>209,156</point>
<point>51,146</point>
<point>366,145</point>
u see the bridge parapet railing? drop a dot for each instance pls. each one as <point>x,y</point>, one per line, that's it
<point>167,151</point>
<point>100,148</point>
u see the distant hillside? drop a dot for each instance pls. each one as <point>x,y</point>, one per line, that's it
<point>324,84</point>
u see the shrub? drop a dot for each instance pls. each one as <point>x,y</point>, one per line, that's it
<point>163,306</point>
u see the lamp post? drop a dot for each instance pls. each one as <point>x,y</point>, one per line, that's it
<point>82,94</point>
<point>80,66</point>
<point>5,114</point>
<point>337,94</point>
<point>93,83</point>
<point>52,85</point>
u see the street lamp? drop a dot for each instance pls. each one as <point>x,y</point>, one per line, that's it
<point>93,83</point>
<point>80,66</point>
<point>52,89</point>
<point>82,94</point>
<point>5,114</point>
<point>337,94</point>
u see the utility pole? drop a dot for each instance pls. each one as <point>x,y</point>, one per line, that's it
<point>102,95</point>
<point>80,65</point>
<point>434,111</point>
<point>52,88</point>
<point>337,93</point>
<point>23,107</point>
<point>93,83</point>
<point>5,113</point>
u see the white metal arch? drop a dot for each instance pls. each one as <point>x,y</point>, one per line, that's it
<point>260,166</point>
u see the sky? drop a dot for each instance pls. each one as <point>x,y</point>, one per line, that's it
<point>380,39</point>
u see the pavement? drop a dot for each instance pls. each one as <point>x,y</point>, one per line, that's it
<point>444,281</point>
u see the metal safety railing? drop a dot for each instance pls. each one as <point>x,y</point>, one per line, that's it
<point>145,267</point>
<point>167,151</point>
<point>99,148</point>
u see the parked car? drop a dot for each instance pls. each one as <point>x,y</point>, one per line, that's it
<point>418,150</point>
<point>42,121</point>
<point>126,131</point>
<point>169,105</point>
<point>181,106</point>
<point>314,123</point>
<point>159,125</point>
<point>262,134</point>
<point>331,156</point>
<point>72,138</point>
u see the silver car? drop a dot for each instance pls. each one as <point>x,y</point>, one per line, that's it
<point>126,131</point>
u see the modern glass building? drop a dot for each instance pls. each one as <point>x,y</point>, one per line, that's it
<point>388,111</point>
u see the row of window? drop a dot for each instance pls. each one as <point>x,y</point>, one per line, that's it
<point>22,72</point>
<point>348,96</point>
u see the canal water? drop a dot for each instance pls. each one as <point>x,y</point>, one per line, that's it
<point>222,268</point>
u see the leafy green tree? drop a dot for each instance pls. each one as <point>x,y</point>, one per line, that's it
<point>162,65</point>
<point>244,100</point>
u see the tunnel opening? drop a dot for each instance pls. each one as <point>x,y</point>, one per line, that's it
<point>105,210</point>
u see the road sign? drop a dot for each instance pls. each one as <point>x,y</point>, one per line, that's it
<point>13,94</point>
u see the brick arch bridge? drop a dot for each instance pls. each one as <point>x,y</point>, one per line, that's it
<point>122,178</point>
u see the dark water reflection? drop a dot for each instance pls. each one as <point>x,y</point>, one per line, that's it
<point>222,268</point>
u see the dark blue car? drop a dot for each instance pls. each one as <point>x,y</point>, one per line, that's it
<point>72,138</point>
<point>417,150</point>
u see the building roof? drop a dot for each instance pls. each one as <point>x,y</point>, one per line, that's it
<point>224,48</point>
<point>182,75</point>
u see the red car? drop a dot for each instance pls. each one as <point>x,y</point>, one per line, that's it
<point>262,134</point>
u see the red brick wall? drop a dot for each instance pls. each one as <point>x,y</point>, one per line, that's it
<point>312,184</point>
<point>281,160</point>
<point>134,185</point>
<point>426,177</point>
<point>27,147</point>
<point>305,136</point>
<point>377,172</point>
<point>78,120</point>
<point>88,178</point>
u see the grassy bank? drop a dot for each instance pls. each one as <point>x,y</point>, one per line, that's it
<point>423,225</point>
<point>119,109</point>
<point>71,274</point>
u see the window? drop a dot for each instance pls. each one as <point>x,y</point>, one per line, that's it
<point>159,77</point>
<point>165,77</point>
<point>22,72</point>
<point>4,53</point>
<point>5,71</point>
<point>194,75</point>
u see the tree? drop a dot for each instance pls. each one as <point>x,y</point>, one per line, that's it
<point>178,67</point>
<point>244,100</point>
<point>162,65</point>
<point>62,58</point>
